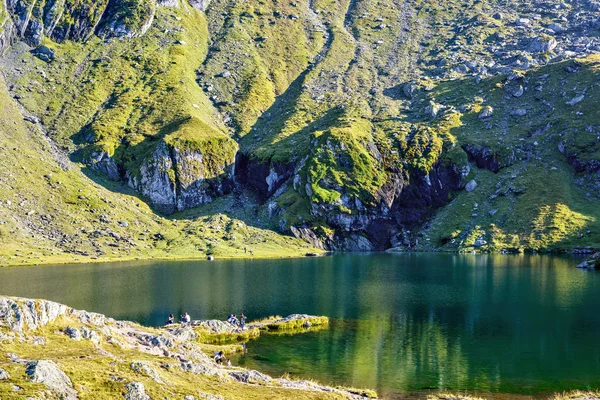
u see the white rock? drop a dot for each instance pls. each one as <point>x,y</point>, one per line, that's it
<point>472,185</point>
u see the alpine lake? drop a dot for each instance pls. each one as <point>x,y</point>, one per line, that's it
<point>503,326</point>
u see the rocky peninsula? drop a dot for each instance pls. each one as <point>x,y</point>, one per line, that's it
<point>49,350</point>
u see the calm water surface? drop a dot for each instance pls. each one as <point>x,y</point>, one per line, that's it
<point>400,323</point>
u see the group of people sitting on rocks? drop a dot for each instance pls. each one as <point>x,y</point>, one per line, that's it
<point>238,323</point>
<point>185,319</point>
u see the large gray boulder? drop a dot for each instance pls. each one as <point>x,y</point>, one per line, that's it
<point>135,391</point>
<point>48,373</point>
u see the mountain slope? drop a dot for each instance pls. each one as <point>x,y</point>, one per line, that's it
<point>353,125</point>
<point>51,212</point>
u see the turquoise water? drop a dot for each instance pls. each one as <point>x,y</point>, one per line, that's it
<point>400,323</point>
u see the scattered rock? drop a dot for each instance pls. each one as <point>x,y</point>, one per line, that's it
<point>519,92</point>
<point>250,376</point>
<point>433,109</point>
<point>472,185</point>
<point>487,112</point>
<point>575,100</point>
<point>90,335</point>
<point>143,368</point>
<point>4,375</point>
<point>543,44</point>
<point>73,333</point>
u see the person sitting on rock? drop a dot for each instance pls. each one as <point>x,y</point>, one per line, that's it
<point>171,320</point>
<point>242,320</point>
<point>185,318</point>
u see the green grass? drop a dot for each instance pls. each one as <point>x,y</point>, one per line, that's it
<point>537,203</point>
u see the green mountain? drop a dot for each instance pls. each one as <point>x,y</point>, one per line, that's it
<point>204,127</point>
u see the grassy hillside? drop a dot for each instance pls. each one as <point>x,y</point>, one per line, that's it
<point>354,125</point>
<point>50,211</point>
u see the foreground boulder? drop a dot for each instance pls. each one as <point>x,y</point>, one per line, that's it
<point>48,373</point>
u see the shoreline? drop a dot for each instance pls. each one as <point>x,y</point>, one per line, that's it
<point>77,260</point>
<point>48,346</point>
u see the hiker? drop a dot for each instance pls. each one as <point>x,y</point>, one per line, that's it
<point>185,318</point>
<point>227,362</point>
<point>251,251</point>
<point>171,320</point>
<point>219,355</point>
<point>242,320</point>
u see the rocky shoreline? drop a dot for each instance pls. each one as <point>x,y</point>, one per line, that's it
<point>49,350</point>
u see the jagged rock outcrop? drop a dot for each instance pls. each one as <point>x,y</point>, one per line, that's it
<point>176,179</point>
<point>62,20</point>
<point>405,201</point>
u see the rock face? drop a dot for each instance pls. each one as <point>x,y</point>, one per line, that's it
<point>126,18</point>
<point>175,179</point>
<point>404,201</point>
<point>20,315</point>
<point>485,158</point>
<point>30,314</point>
<point>48,373</point>
<point>63,20</point>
